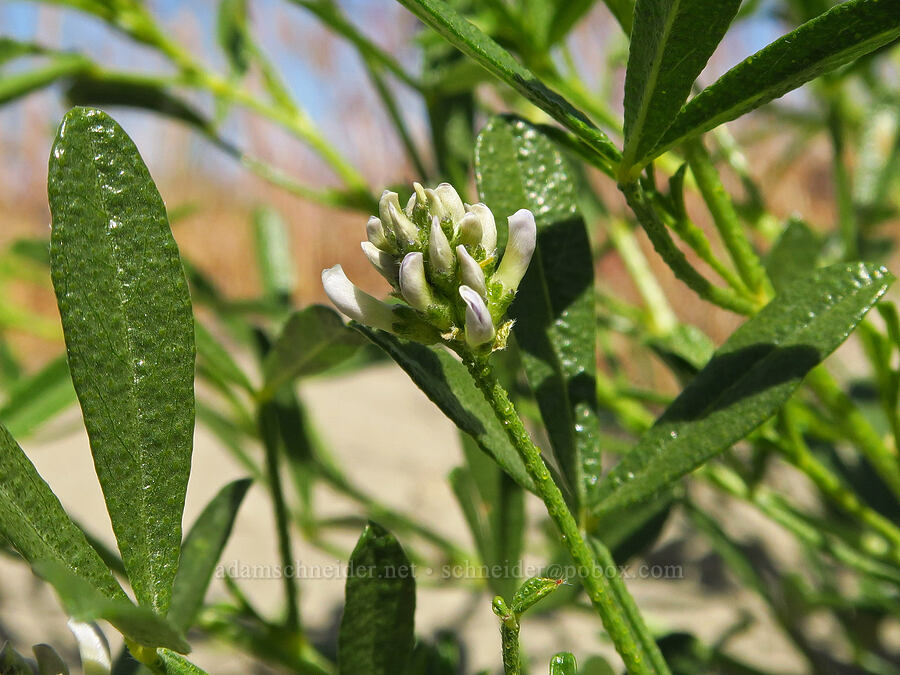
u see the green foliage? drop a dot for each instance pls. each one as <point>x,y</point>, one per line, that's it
<point>129,333</point>
<point>376,634</point>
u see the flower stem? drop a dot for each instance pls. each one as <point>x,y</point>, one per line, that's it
<point>623,624</point>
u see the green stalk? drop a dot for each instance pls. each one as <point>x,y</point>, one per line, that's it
<point>726,219</point>
<point>626,629</point>
<point>509,637</point>
<point>675,259</point>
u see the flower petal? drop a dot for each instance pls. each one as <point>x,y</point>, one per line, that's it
<point>488,227</point>
<point>440,255</point>
<point>354,303</point>
<point>479,326</point>
<point>453,205</point>
<point>470,271</point>
<point>519,249</point>
<point>413,285</point>
<point>385,263</point>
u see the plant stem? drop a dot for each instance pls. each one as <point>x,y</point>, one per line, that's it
<point>625,628</point>
<point>662,242</point>
<point>269,432</point>
<point>726,218</point>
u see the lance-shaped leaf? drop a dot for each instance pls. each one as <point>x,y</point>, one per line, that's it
<point>37,526</point>
<point>33,400</point>
<point>518,167</point>
<point>376,634</point>
<point>201,551</point>
<point>83,602</point>
<point>446,382</point>
<point>466,37</point>
<point>837,37</point>
<point>670,44</point>
<point>129,332</point>
<point>312,341</point>
<point>748,379</point>
<point>17,84</point>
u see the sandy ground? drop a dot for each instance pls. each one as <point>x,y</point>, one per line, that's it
<point>393,441</point>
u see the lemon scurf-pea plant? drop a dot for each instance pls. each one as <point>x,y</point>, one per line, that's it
<point>495,313</point>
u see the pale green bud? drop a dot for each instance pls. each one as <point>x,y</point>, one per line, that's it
<point>453,205</point>
<point>376,235</point>
<point>385,263</point>
<point>440,255</point>
<point>414,286</point>
<point>470,231</point>
<point>488,227</point>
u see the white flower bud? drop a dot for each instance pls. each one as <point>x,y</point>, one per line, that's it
<point>470,230</point>
<point>453,205</point>
<point>410,205</point>
<point>519,249</point>
<point>404,229</point>
<point>440,255</point>
<point>488,227</point>
<point>479,326</point>
<point>375,234</point>
<point>435,205</point>
<point>470,271</point>
<point>92,647</point>
<point>383,206</point>
<point>354,303</point>
<point>419,194</point>
<point>385,263</point>
<point>413,285</point>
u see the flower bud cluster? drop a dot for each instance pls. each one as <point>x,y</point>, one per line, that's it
<point>440,257</point>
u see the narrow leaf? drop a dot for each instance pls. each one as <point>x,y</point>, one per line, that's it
<point>16,85</point>
<point>171,663</point>
<point>463,35</point>
<point>13,663</point>
<point>37,526</point>
<point>670,44</point>
<point>201,552</point>
<point>837,37</point>
<point>231,31</point>
<point>84,603</point>
<point>126,315</point>
<point>216,358</point>
<point>376,633</point>
<point>48,661</point>
<point>793,255</point>
<point>273,253</point>
<point>518,167</point>
<point>446,382</point>
<point>748,379</point>
<point>563,664</point>
<point>33,400</point>
<point>312,341</point>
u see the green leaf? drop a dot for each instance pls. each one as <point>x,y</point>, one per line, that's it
<point>48,661</point>
<point>533,591</point>
<point>631,532</point>
<point>376,633</point>
<point>446,382</point>
<point>84,603</point>
<point>13,663</point>
<point>670,44</point>
<point>273,253</point>
<point>793,255</point>
<point>126,315</point>
<point>216,358</point>
<point>201,552</point>
<point>312,341</point>
<point>444,657</point>
<point>567,13</point>
<point>171,663</point>
<point>33,400</point>
<point>463,35</point>
<point>748,379</point>
<point>231,31</point>
<point>16,85</point>
<point>37,526</point>
<point>596,665</point>
<point>837,37</point>
<point>563,664</point>
<point>518,167</point>
<point>12,49</point>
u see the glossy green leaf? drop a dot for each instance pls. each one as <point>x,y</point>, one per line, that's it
<point>35,399</point>
<point>37,526</point>
<point>201,552</point>
<point>670,44</point>
<point>837,37</point>
<point>596,665</point>
<point>793,255</point>
<point>748,379</point>
<point>518,167</point>
<point>633,531</point>
<point>563,663</point>
<point>376,633</point>
<point>48,661</point>
<point>273,253</point>
<point>126,315</point>
<point>312,341</point>
<point>18,84</point>
<point>446,382</point>
<point>83,602</point>
<point>623,11</point>
<point>476,45</point>
<point>171,663</point>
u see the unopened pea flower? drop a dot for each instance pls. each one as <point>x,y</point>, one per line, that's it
<point>440,257</point>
